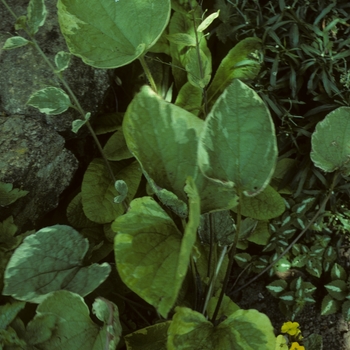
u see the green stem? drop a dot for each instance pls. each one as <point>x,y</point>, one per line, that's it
<point>319,211</point>
<point>213,279</point>
<point>201,71</point>
<point>211,244</point>
<point>148,73</point>
<point>230,262</point>
<point>194,276</point>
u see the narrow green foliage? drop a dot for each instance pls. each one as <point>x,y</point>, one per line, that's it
<point>208,21</point>
<point>242,62</point>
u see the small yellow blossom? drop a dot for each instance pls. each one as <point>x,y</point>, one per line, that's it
<point>292,328</point>
<point>296,346</point>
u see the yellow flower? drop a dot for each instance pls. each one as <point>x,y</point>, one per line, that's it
<point>296,346</point>
<point>291,328</point>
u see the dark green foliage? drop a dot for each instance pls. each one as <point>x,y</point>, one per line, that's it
<point>305,71</point>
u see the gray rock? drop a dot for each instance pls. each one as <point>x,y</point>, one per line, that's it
<point>23,71</point>
<point>33,158</point>
<point>32,153</point>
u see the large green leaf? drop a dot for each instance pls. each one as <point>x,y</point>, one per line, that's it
<point>166,146</point>
<point>50,260</point>
<point>110,34</point>
<point>242,330</point>
<point>98,191</point>
<point>162,137</point>
<point>152,256</point>
<point>331,142</point>
<point>242,62</point>
<point>64,319</point>
<point>238,143</point>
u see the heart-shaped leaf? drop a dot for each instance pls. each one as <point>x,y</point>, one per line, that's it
<point>238,143</point>
<point>151,254</point>
<point>98,191</point>
<point>63,317</point>
<point>51,260</point>
<point>242,329</point>
<point>109,33</point>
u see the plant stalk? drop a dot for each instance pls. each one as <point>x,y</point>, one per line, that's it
<point>201,71</point>
<point>230,262</point>
<point>148,73</point>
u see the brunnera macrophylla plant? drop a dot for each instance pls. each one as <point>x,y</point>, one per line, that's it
<point>212,150</point>
<point>217,191</point>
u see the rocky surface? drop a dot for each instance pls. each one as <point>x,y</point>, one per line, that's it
<point>33,158</point>
<point>23,70</point>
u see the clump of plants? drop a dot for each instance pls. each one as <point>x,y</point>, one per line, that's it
<point>153,262</point>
